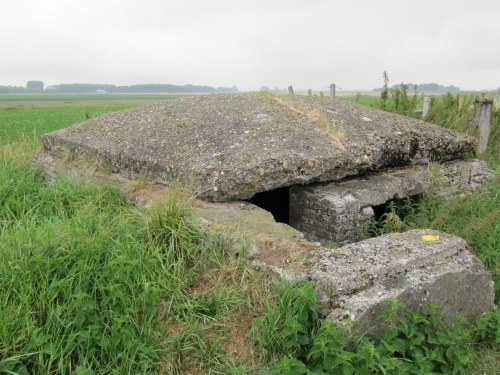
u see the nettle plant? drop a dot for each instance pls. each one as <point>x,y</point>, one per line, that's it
<point>412,342</point>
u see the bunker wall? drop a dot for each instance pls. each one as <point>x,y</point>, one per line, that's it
<point>338,213</point>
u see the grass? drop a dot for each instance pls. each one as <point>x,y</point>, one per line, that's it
<point>36,120</point>
<point>91,285</point>
<point>88,97</point>
<point>88,284</point>
<point>412,343</point>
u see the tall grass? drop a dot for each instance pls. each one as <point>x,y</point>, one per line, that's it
<point>89,284</point>
<point>457,112</point>
<point>76,293</point>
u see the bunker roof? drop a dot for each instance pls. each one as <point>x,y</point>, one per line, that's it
<point>231,146</point>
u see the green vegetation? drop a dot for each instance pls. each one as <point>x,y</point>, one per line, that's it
<point>457,112</point>
<point>425,87</point>
<point>38,119</point>
<point>412,343</point>
<point>92,285</point>
<point>75,98</point>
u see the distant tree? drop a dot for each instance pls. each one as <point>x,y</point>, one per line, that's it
<point>264,88</point>
<point>310,92</point>
<point>12,89</point>
<point>424,87</point>
<point>434,87</point>
<point>143,88</point>
<point>34,86</point>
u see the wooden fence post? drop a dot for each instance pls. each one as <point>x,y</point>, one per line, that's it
<point>290,90</point>
<point>332,91</point>
<point>482,122</point>
<point>427,106</point>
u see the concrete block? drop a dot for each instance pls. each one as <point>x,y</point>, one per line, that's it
<point>355,280</point>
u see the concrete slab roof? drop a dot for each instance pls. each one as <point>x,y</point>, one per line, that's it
<point>231,146</point>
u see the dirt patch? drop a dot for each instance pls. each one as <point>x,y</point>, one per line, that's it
<point>237,343</point>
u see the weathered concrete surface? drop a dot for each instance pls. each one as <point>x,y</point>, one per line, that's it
<point>338,212</point>
<point>353,281</point>
<point>406,267</point>
<point>231,146</point>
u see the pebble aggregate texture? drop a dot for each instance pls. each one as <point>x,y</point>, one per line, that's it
<point>231,146</point>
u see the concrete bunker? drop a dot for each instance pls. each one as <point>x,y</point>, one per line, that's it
<point>317,169</point>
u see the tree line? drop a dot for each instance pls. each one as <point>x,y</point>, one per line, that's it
<point>424,87</point>
<point>38,87</point>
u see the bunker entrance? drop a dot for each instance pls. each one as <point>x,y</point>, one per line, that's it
<point>402,208</point>
<point>276,201</point>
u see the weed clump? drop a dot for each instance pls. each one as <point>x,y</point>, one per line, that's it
<point>411,343</point>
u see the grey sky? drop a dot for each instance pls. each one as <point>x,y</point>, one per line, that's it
<point>308,44</point>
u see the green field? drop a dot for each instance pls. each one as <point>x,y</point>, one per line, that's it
<point>40,113</point>
<point>89,284</point>
<point>90,97</point>
<point>37,119</point>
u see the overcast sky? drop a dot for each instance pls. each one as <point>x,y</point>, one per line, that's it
<point>304,43</point>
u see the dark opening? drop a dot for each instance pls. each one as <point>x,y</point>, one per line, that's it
<point>404,208</point>
<point>275,201</point>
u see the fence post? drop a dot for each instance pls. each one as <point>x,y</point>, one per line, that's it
<point>332,91</point>
<point>290,90</point>
<point>427,106</point>
<point>482,122</point>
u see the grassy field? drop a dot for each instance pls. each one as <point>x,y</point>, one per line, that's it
<point>89,97</point>
<point>41,113</point>
<point>91,285</point>
<point>36,119</point>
